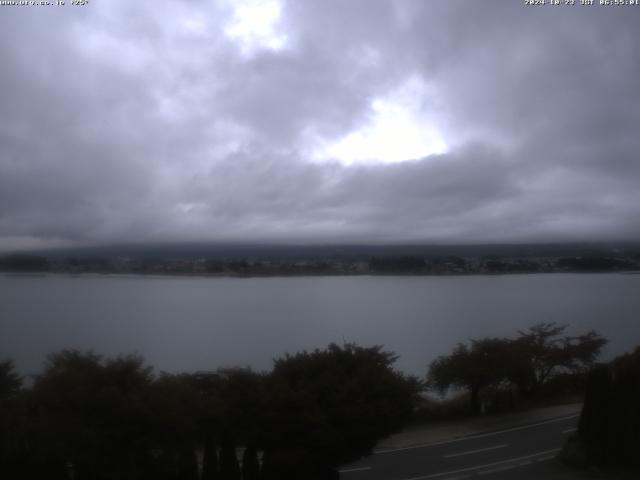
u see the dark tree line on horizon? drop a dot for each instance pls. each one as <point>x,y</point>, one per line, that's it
<point>319,265</point>
<point>92,418</point>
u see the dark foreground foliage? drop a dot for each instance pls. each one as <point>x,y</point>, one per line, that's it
<point>609,428</point>
<point>91,418</point>
<point>522,367</point>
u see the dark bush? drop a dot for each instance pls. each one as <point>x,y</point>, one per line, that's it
<point>609,426</point>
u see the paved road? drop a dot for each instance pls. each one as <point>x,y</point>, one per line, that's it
<point>516,452</point>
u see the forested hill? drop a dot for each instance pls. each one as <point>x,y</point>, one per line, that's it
<point>338,251</point>
<point>282,260</point>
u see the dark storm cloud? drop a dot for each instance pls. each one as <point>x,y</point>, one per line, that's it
<point>130,122</point>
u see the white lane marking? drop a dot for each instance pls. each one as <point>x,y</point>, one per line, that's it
<point>357,469</point>
<point>496,470</point>
<point>475,451</point>
<point>569,430</point>
<point>473,437</point>
<point>527,462</point>
<point>486,465</point>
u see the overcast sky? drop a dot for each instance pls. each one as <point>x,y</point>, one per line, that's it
<point>318,121</point>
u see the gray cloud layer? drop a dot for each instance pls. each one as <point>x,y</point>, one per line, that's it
<point>129,121</point>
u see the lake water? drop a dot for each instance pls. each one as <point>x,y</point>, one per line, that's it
<point>192,323</point>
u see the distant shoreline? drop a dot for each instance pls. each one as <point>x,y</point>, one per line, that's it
<point>10,274</point>
<point>401,263</point>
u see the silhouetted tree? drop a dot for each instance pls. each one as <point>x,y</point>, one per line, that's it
<point>594,421</point>
<point>242,396</point>
<point>11,421</point>
<point>473,368</point>
<point>542,351</point>
<point>10,381</point>
<point>175,406</point>
<point>527,362</point>
<point>330,407</point>
<point>93,418</point>
<point>210,459</point>
<point>187,463</point>
<point>609,426</point>
<point>250,464</point>
<point>92,415</point>
<point>229,466</point>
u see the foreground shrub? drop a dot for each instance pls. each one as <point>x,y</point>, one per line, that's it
<point>609,429</point>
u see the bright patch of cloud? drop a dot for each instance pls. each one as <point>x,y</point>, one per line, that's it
<point>254,25</point>
<point>398,130</point>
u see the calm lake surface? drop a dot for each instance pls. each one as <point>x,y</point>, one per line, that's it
<point>190,323</point>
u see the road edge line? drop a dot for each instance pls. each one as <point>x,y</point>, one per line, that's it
<point>478,467</point>
<point>476,435</point>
